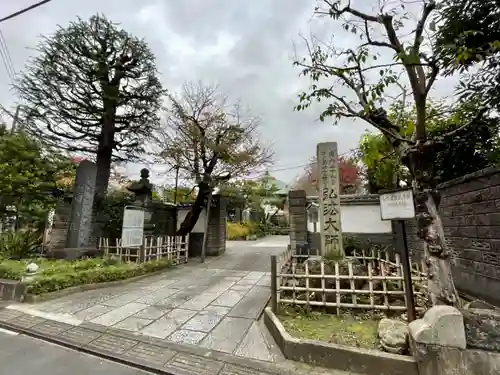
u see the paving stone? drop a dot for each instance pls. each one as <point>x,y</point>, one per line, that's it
<point>176,300</point>
<point>227,335</point>
<point>232,278</point>
<point>132,324</point>
<point>152,312</point>
<point>247,282</point>
<point>221,310</point>
<point>254,345</point>
<point>123,299</point>
<point>93,312</point>
<point>157,296</point>
<point>158,284</point>
<point>149,354</point>
<point>51,327</point>
<point>230,369</point>
<point>242,288</point>
<point>204,321</point>
<point>27,321</point>
<point>112,344</point>
<point>192,364</point>
<point>72,307</point>
<point>199,302</point>
<point>254,275</point>
<point>78,335</point>
<point>264,281</point>
<point>168,323</point>
<point>240,273</point>
<point>118,314</point>
<point>229,298</point>
<point>8,314</point>
<point>252,304</point>
<point>184,336</point>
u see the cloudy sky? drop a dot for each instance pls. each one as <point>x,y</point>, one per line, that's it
<point>245,46</point>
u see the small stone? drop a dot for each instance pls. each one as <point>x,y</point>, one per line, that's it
<point>441,325</point>
<point>32,268</point>
<point>393,335</point>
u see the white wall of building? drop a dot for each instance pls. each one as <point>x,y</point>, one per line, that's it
<point>359,218</point>
<point>200,224</point>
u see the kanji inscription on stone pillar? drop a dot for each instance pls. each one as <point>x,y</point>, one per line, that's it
<point>329,198</point>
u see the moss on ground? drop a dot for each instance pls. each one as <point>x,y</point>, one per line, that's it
<point>353,330</point>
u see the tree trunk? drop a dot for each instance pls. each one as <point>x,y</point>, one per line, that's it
<point>441,288</point>
<point>103,162</point>
<point>194,214</point>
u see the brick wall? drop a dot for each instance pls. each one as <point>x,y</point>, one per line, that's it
<point>470,210</point>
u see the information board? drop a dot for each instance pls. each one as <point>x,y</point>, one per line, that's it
<point>397,205</point>
<point>133,227</point>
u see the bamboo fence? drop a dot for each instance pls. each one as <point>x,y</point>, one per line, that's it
<point>174,248</point>
<point>293,279</point>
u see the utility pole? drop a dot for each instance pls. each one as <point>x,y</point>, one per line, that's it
<point>176,183</point>
<point>14,120</point>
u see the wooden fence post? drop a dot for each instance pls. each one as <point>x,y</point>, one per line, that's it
<point>274,284</point>
<point>142,254</point>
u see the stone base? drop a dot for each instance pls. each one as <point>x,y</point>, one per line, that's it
<point>339,357</point>
<point>12,290</point>
<point>441,346</point>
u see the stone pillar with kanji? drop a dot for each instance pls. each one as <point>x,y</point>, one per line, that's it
<point>329,199</point>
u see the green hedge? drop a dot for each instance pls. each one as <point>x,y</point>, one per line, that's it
<point>57,275</point>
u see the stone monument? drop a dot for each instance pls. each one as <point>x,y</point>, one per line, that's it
<point>143,192</point>
<point>80,222</point>
<point>329,199</point>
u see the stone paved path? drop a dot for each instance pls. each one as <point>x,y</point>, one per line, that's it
<point>141,352</point>
<point>215,305</point>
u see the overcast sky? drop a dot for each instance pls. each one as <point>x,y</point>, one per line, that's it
<point>245,46</point>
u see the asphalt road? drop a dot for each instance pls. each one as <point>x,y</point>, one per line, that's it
<point>23,355</point>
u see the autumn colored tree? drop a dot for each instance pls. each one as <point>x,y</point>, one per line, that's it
<point>350,177</point>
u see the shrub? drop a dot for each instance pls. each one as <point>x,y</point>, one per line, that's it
<point>78,274</point>
<point>236,231</point>
<point>60,274</point>
<point>20,244</point>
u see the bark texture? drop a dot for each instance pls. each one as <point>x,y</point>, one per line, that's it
<point>441,288</point>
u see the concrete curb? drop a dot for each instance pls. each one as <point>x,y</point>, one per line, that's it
<point>36,298</point>
<point>339,357</point>
<point>36,328</point>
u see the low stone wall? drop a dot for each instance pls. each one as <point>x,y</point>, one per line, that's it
<point>339,357</point>
<point>12,290</point>
<point>447,341</point>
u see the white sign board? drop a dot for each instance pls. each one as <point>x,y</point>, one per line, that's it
<point>397,205</point>
<point>133,227</point>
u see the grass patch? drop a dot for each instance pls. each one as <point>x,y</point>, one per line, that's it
<point>56,275</point>
<point>352,330</point>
